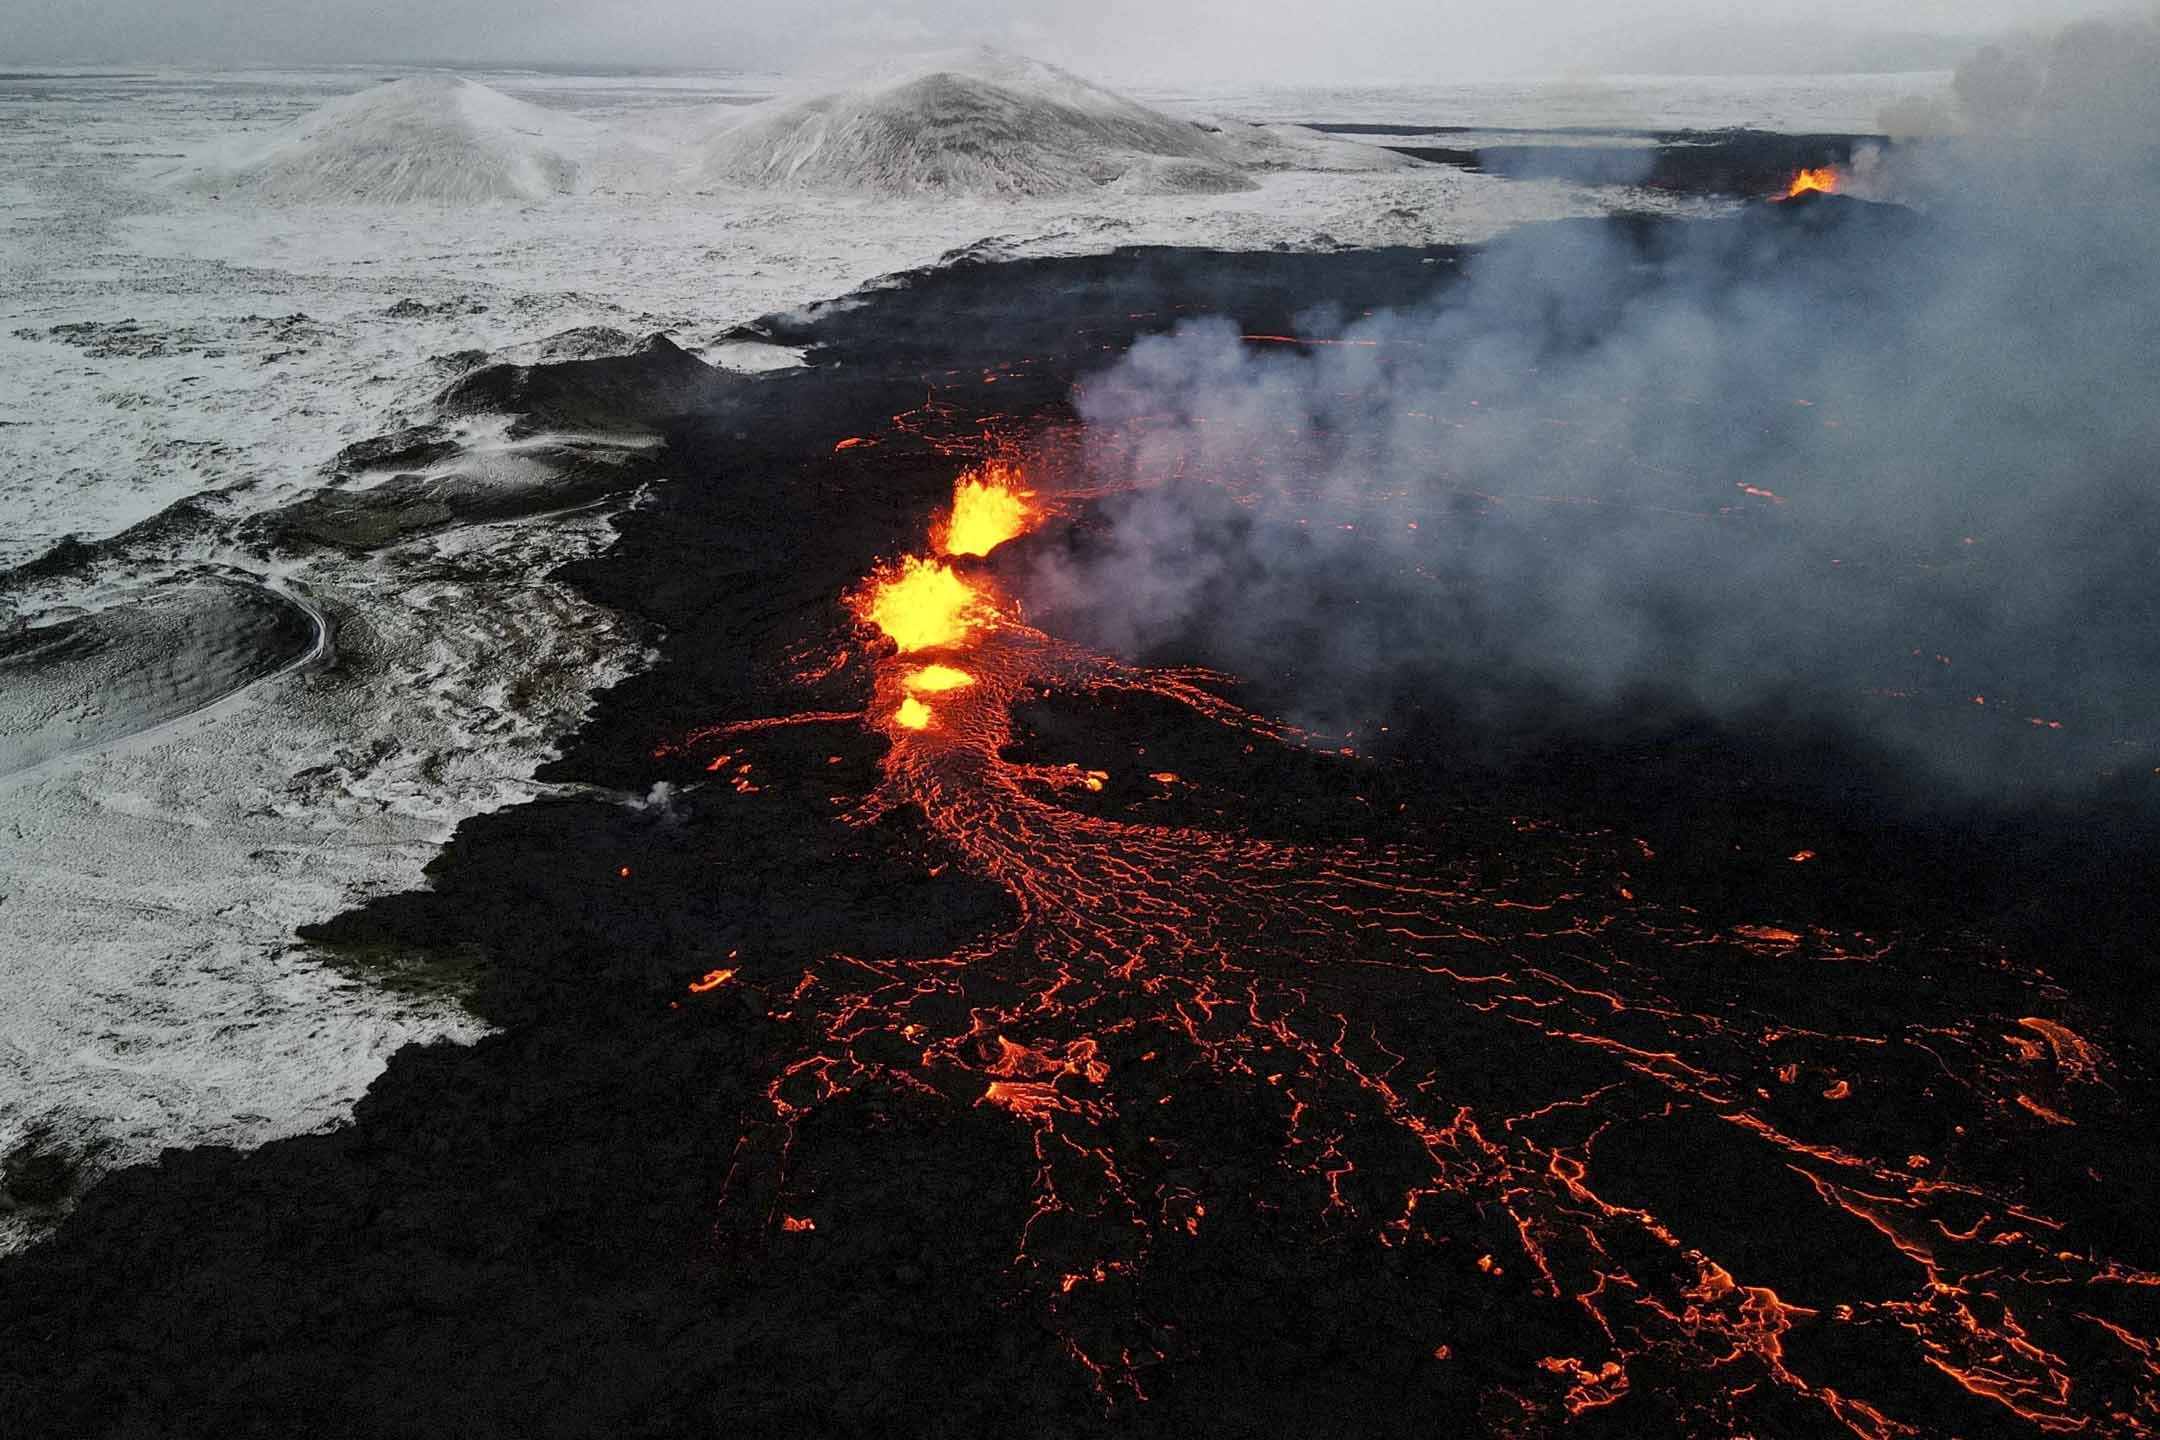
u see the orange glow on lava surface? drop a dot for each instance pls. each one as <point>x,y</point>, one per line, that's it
<point>1823,181</point>
<point>989,508</point>
<point>1154,965</point>
<point>937,679</point>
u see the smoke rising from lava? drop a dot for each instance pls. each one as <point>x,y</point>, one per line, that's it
<point>1913,460</point>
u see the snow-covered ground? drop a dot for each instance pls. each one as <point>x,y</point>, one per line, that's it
<point>164,342</point>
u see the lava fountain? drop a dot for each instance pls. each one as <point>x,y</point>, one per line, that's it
<point>921,605</point>
<point>989,508</point>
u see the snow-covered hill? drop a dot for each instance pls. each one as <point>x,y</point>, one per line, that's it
<point>430,138</point>
<point>976,123</point>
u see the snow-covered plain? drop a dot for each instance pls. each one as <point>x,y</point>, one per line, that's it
<point>1823,104</point>
<point>162,342</point>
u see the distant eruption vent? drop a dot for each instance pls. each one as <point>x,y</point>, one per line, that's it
<point>1822,182</point>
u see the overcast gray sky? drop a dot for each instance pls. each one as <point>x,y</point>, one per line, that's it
<point>1285,40</point>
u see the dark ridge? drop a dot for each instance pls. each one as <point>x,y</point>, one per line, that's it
<point>638,391</point>
<point>1588,132</point>
<point>71,557</point>
<point>541,478</point>
<point>1595,132</point>
<point>412,448</point>
<point>636,394</point>
<point>1738,162</point>
<point>1436,155</point>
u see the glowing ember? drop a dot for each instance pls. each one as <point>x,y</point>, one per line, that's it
<point>936,679</point>
<point>912,715</point>
<point>1823,181</point>
<point>989,508</point>
<point>922,605</point>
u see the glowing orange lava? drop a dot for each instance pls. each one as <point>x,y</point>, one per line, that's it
<point>937,679</point>
<point>1823,181</point>
<point>989,508</point>
<point>1149,961</point>
<point>922,605</point>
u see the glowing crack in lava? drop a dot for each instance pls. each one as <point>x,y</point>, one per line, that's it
<point>1451,1056</point>
<point>1823,181</point>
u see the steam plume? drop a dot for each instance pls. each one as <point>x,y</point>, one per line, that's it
<point>1783,461</point>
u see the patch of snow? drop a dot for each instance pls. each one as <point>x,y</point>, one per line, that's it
<point>753,357</point>
<point>152,990</point>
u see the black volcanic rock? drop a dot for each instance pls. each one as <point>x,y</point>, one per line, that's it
<point>411,448</point>
<point>640,391</point>
<point>1719,162</point>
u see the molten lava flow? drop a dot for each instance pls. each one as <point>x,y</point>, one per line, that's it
<point>1823,181</point>
<point>988,509</point>
<point>936,679</point>
<point>1467,1048</point>
<point>922,605</point>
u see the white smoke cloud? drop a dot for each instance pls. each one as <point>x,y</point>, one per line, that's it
<point>1768,489</point>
